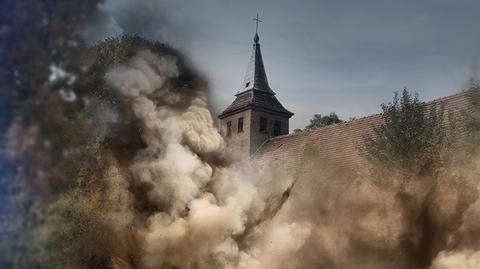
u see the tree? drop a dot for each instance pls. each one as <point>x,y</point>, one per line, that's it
<point>34,37</point>
<point>413,137</point>
<point>320,121</point>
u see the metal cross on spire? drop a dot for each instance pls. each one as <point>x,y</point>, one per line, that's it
<point>257,20</point>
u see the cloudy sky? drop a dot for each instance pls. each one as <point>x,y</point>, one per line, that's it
<point>320,56</point>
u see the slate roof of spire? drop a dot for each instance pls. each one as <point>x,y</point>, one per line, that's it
<point>255,77</point>
<point>256,92</point>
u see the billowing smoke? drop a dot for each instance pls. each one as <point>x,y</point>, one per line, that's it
<point>358,222</point>
<point>114,162</point>
<point>153,187</point>
<point>206,208</point>
<point>200,205</point>
<point>212,213</point>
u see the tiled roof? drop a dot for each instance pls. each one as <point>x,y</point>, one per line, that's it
<point>255,99</point>
<point>338,143</point>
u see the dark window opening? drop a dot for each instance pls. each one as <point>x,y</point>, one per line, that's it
<point>240,125</point>
<point>263,125</point>
<point>248,83</point>
<point>277,128</point>
<point>229,128</point>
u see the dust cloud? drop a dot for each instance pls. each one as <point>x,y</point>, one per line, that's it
<point>212,215</point>
<point>166,194</point>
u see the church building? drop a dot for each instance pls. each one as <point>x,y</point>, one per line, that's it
<point>256,114</point>
<point>256,126</point>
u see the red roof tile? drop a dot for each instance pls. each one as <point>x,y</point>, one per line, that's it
<point>338,143</point>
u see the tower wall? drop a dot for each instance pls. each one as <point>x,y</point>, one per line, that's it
<point>244,143</point>
<point>257,137</point>
<point>237,142</point>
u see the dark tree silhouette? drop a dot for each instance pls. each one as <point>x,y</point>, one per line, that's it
<point>319,121</point>
<point>412,138</point>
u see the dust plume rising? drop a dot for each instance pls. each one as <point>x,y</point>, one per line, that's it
<point>155,187</point>
<point>357,221</point>
<point>179,200</point>
<point>206,211</point>
<point>201,207</point>
<point>192,222</point>
<point>179,197</point>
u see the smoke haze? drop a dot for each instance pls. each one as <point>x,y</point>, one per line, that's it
<point>142,179</point>
<point>182,202</point>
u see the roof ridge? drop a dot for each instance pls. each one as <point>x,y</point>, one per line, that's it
<point>439,99</point>
<point>306,132</point>
<point>462,92</point>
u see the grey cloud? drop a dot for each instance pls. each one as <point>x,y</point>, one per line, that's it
<point>332,52</point>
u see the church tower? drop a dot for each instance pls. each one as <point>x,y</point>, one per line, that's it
<point>255,115</point>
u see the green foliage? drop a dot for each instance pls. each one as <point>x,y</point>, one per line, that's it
<point>320,121</point>
<point>413,138</point>
<point>37,125</point>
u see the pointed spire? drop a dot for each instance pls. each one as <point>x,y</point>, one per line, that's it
<point>255,77</point>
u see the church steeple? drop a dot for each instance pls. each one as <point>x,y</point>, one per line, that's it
<point>256,114</point>
<point>255,77</point>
